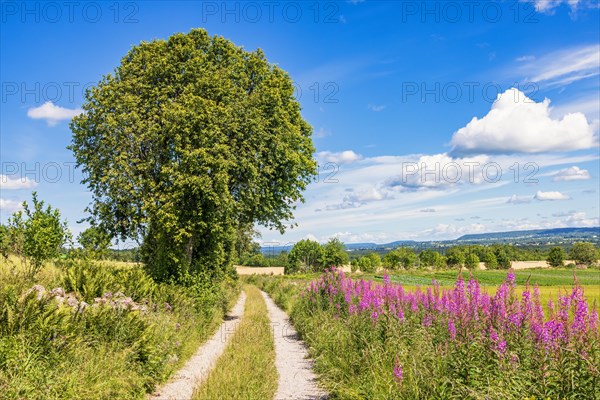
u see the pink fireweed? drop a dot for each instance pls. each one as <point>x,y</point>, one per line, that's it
<point>502,321</point>
<point>398,372</point>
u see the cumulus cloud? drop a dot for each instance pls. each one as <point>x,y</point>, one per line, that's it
<point>550,196</point>
<point>8,183</point>
<point>342,157</point>
<point>572,174</point>
<point>359,198</point>
<point>52,113</point>
<point>9,206</point>
<point>514,199</point>
<point>441,171</point>
<point>517,124</point>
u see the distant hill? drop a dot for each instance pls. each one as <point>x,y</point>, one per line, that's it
<point>536,237</point>
<point>565,233</point>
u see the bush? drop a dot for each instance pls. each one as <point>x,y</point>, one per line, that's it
<point>472,261</point>
<point>556,257</point>
<point>584,253</point>
<point>38,234</point>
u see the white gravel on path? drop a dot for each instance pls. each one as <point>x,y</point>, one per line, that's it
<point>182,384</point>
<point>296,377</point>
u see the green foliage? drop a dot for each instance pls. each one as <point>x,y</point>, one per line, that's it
<point>503,259</point>
<point>584,253</point>
<point>187,142</point>
<point>95,242</point>
<point>354,265</point>
<point>366,264</point>
<point>4,241</point>
<point>375,260</point>
<point>38,234</point>
<point>556,257</point>
<point>401,257</point>
<point>305,256</point>
<point>471,261</point>
<point>455,257</point>
<point>431,258</point>
<point>490,260</point>
<point>333,254</point>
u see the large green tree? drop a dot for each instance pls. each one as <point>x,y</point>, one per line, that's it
<point>305,256</point>
<point>334,254</point>
<point>190,140</point>
<point>95,242</point>
<point>584,253</point>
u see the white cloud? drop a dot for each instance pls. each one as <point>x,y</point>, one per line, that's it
<point>525,58</point>
<point>517,124</point>
<point>563,66</point>
<point>548,6</point>
<point>342,157</point>
<point>550,196</point>
<point>9,206</point>
<point>514,199</point>
<point>8,183</point>
<point>451,230</point>
<point>580,219</point>
<point>572,174</point>
<point>376,108</point>
<point>359,198</point>
<point>52,113</point>
<point>321,133</point>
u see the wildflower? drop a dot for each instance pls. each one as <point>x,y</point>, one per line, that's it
<point>502,346</point>
<point>451,329</point>
<point>168,307</point>
<point>386,279</point>
<point>510,278</point>
<point>398,373</point>
<point>374,316</point>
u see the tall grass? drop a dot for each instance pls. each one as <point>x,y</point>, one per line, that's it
<point>97,331</point>
<point>247,368</point>
<point>379,341</point>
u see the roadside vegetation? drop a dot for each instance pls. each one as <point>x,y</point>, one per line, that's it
<point>86,329</point>
<point>247,368</point>
<point>382,340</point>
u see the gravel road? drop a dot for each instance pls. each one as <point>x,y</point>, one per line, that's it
<point>182,384</point>
<point>296,377</point>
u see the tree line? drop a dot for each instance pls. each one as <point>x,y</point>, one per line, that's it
<point>310,256</point>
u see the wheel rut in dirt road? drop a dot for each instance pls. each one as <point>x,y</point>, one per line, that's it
<point>297,379</point>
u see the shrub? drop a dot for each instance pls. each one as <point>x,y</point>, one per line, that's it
<point>556,257</point>
<point>38,233</point>
<point>584,253</point>
<point>472,261</point>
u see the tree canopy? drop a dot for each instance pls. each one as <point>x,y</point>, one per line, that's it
<point>190,140</point>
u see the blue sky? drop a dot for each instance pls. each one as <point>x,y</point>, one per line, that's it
<point>401,95</point>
